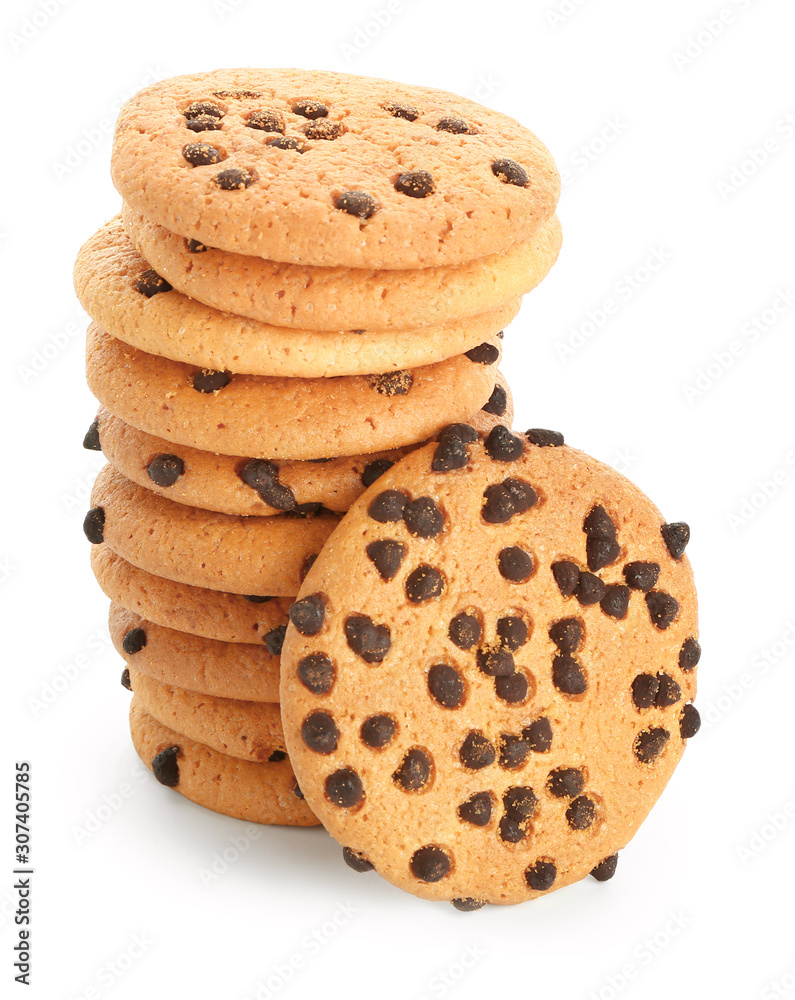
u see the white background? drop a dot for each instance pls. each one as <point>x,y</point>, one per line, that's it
<point>651,143</point>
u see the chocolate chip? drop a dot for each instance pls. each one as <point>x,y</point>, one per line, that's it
<point>378,731</point>
<point>374,470</point>
<point>414,771</point>
<point>391,383</point>
<point>689,722</point>
<point>538,735</point>
<point>590,589</point>
<point>430,864</point>
<point>134,641</point>
<point>204,123</point>
<point>424,584</point>
<point>503,500</point>
<point>324,130</point>
<point>344,788</point>
<point>357,861</point>
<point>495,662</point>
<point>297,792</point>
<point>415,184</point>
<point>319,732</point>
<point>502,446</point>
<point>513,751</point>
<point>566,633</point>
<point>541,875</point>
<point>388,506</point>
<point>94,525</point>
<point>543,438</point>
<point>201,154</point>
<point>274,640</point>
<point>520,803</point>
<point>456,125</point>
<point>515,564</point>
<point>644,690</point>
<point>649,744</point>
<point>606,869</point>
<point>669,692</point>
<point>165,470</point>
<point>567,577</point>
<point>510,172</point>
<point>599,524</point>
<point>91,439</point>
<point>676,536</point>
<point>467,904</point>
<point>511,831</point>
<point>308,614</point>
<point>476,810</point>
<point>567,675</point>
<point>601,552</point>
<point>406,111</point>
<point>581,813</point>
<point>282,142</point>
<point>150,283</point>
<point>369,641</point>
<point>165,767</point>
<point>689,654</point>
<point>265,121</point>
<point>476,751</point>
<point>615,603</point>
<point>513,632</point>
<point>125,679</point>
<point>512,689</point>
<point>386,555</point>
<point>641,575</point>
<point>663,608</point>
<point>446,685</point>
<point>483,354</point>
<point>310,109</point>
<point>423,518</point>
<point>277,756</point>
<point>263,476</point>
<point>234,179</point>
<point>208,380</point>
<point>565,782</point>
<point>194,246</point>
<point>451,452</point>
<point>357,203</point>
<point>465,631</point>
<point>256,598</point>
<point>198,108</point>
<point>464,432</point>
<point>497,402</point>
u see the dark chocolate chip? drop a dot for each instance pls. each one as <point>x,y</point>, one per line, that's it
<point>590,589</point>
<point>515,564</point>
<point>464,432</point>
<point>424,584</point>
<point>344,788</point>
<point>430,864</point>
<point>566,633</point>
<point>386,555</point>
<point>512,689</point>
<point>456,125</point>
<point>676,536</point>
<point>513,632</point>
<point>194,246</point>
<point>134,641</point>
<point>374,470</point>
<point>388,506</point>
<point>304,510</point>
<point>511,831</point>
<point>91,439</point>
<point>581,813</point>
<point>663,608</point>
<point>483,354</point>
<point>324,130</point>
<point>274,640</point>
<point>599,524</point>
<point>541,875</point>
<point>644,690</point>
<point>451,452</point>
<point>406,111</point>
<point>282,142</point>
<point>503,500</point>
<point>567,577</point>
<point>263,476</point>
<point>423,518</point>
<point>391,383</point>
<point>277,756</point>
<point>496,662</point>
<point>502,445</point>
<point>234,179</point>
<point>465,631</point>
<point>165,470</point>
<point>476,751</point>
<point>201,154</point>
<point>538,735</point>
<point>357,861</point>
<point>369,641</point>
<point>689,722</point>
<point>476,810</point>
<point>319,732</point>
<point>615,603</point>
<point>150,283</point>
<point>165,767</point>
<point>445,685</point>
<point>497,402</point>
<point>208,380</point>
<point>308,614</point>
<point>520,802</point>
<point>265,121</point>
<point>567,675</point>
<point>689,654</point>
<point>94,525</point>
<point>649,744</point>
<point>378,731</point>
<point>297,791</point>
<point>669,692</point>
<point>601,552</point>
<point>510,172</point>
<point>513,751</point>
<point>256,598</point>
<point>606,869</point>
<point>357,203</point>
<point>415,184</point>
<point>125,679</point>
<point>467,904</point>
<point>310,109</point>
<point>198,108</point>
<point>641,575</point>
<point>565,782</point>
<point>414,771</point>
<point>204,123</point>
<point>543,438</point>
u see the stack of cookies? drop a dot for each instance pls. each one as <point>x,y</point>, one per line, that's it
<point>309,280</point>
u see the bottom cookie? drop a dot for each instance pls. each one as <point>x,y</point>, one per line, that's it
<point>255,792</point>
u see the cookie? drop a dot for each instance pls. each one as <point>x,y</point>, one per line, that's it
<point>504,628</point>
<point>211,614</point>
<point>238,670</point>
<point>130,301</point>
<point>337,298</point>
<point>239,555</point>
<point>252,486</point>
<point>250,730</point>
<point>256,792</point>
<point>274,418</point>
<point>328,169</point>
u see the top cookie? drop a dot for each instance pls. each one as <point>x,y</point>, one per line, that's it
<point>331,170</point>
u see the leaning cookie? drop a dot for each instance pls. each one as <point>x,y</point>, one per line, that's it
<point>290,418</point>
<point>238,670</point>
<point>489,674</point>
<point>239,555</point>
<point>256,792</point>
<point>246,486</point>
